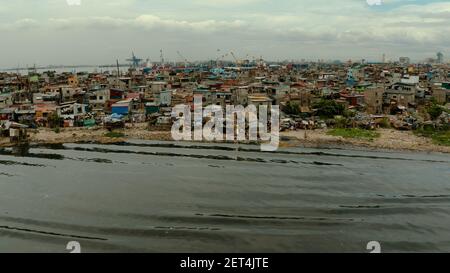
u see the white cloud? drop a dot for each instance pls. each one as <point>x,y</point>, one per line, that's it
<point>325,28</point>
<point>24,23</point>
<point>152,21</point>
<point>222,3</point>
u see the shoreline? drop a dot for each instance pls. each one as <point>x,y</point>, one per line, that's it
<point>389,140</point>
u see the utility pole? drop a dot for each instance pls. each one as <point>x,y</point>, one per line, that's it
<point>118,73</point>
<point>237,141</point>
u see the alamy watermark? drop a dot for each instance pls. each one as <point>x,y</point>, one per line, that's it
<point>74,247</point>
<point>73,2</point>
<point>374,2</point>
<point>374,247</point>
<point>238,123</point>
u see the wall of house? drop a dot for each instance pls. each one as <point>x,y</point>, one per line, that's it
<point>373,98</point>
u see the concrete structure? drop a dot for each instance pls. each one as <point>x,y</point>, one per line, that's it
<point>373,98</point>
<point>400,94</point>
<point>122,107</point>
<point>98,99</point>
<point>164,98</point>
<point>440,58</point>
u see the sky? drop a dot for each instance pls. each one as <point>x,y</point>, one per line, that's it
<point>48,32</point>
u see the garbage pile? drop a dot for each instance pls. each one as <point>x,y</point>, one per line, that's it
<point>302,124</point>
<point>406,122</point>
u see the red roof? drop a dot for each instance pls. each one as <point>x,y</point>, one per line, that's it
<point>133,96</point>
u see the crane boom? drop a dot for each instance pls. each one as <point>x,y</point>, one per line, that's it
<point>234,57</point>
<point>183,58</point>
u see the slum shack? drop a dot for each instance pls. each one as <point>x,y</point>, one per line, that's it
<point>16,132</point>
<point>151,108</point>
<point>115,121</point>
<point>160,121</point>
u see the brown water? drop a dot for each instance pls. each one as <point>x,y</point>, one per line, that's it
<point>166,197</point>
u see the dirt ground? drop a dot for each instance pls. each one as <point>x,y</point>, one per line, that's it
<point>95,134</point>
<point>389,139</point>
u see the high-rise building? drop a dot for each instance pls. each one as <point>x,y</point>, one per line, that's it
<point>404,60</point>
<point>440,58</point>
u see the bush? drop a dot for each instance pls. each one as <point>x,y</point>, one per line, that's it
<point>435,111</point>
<point>385,123</point>
<point>54,121</point>
<point>349,114</point>
<point>341,122</point>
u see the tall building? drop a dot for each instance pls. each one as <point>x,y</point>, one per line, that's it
<point>351,80</point>
<point>440,58</point>
<point>373,98</point>
<point>404,60</point>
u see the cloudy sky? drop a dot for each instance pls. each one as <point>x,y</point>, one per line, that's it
<point>100,31</point>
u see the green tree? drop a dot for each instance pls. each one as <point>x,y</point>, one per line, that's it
<point>292,108</point>
<point>54,121</point>
<point>329,108</point>
<point>435,111</point>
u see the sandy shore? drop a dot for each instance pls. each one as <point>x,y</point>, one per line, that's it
<point>388,140</point>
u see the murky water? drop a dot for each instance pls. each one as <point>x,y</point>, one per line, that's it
<point>167,197</point>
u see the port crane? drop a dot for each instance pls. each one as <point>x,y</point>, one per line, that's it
<point>186,62</point>
<point>134,60</point>
<point>238,62</point>
<point>259,61</point>
<point>221,58</point>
